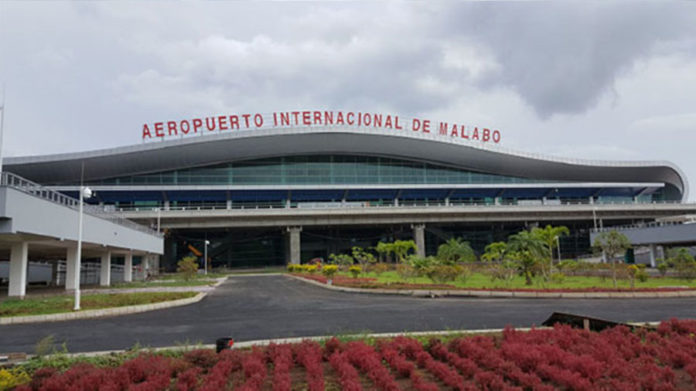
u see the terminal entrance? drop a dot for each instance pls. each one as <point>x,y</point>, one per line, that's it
<point>234,248</point>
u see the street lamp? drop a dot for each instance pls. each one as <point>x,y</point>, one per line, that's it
<point>205,256</point>
<point>85,192</point>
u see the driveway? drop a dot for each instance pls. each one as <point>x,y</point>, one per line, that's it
<point>260,307</point>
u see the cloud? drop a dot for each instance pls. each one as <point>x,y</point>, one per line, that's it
<point>675,123</point>
<point>562,57</point>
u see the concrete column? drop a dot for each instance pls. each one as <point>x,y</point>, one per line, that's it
<point>591,200</point>
<point>497,200</point>
<point>294,244</point>
<point>71,275</point>
<point>396,202</point>
<point>229,204</point>
<point>19,255</point>
<point>419,237</point>
<point>166,205</point>
<point>447,203</point>
<point>662,252</point>
<point>287,203</point>
<point>653,255</point>
<point>105,271</point>
<point>128,268</point>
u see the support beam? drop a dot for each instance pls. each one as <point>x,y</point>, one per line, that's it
<point>653,255</point>
<point>128,268</point>
<point>105,271</point>
<point>19,255</point>
<point>419,238</point>
<point>294,252</point>
<point>71,265</point>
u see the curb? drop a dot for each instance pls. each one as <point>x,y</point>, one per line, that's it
<point>502,294</point>
<point>266,342</point>
<point>90,314</point>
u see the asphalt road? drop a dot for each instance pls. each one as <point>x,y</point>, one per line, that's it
<point>260,307</point>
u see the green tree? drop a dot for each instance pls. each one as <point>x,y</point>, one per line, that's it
<point>363,256</point>
<point>526,250</point>
<point>401,249</point>
<point>341,259</point>
<point>384,249</point>
<point>549,235</point>
<point>188,267</point>
<point>526,263</point>
<point>612,243</point>
<point>494,252</point>
<point>683,262</point>
<point>455,250</point>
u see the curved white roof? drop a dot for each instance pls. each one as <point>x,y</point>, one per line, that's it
<point>216,148</point>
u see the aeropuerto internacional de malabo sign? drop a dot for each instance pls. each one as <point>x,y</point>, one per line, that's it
<point>316,118</point>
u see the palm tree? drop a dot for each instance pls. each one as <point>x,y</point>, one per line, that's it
<point>494,252</point>
<point>549,235</point>
<point>526,249</point>
<point>455,250</point>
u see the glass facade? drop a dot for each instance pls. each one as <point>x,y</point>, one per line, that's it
<point>317,170</point>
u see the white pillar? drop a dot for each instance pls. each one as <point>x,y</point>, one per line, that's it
<point>653,255</point>
<point>447,201</point>
<point>419,236</point>
<point>105,272</point>
<point>396,202</point>
<point>128,268</point>
<point>295,244</point>
<point>71,264</point>
<point>228,204</point>
<point>19,255</point>
<point>166,205</point>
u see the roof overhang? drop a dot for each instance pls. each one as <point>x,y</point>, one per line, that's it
<point>263,143</point>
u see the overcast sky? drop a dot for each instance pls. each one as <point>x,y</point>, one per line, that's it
<point>607,80</point>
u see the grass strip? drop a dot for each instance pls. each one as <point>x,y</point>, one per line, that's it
<point>64,303</point>
<point>482,281</point>
<point>159,284</point>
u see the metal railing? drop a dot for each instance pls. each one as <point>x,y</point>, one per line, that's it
<point>28,187</point>
<point>402,204</point>
<point>652,224</point>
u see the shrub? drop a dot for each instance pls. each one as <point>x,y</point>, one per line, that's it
<point>294,268</point>
<point>187,267</point>
<point>557,278</point>
<point>311,269</point>
<point>406,272</point>
<point>380,268</point>
<point>444,273</point>
<point>341,259</point>
<point>355,270</point>
<point>329,271</point>
<point>10,378</point>
<point>662,267</point>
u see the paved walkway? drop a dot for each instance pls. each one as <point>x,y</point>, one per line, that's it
<point>260,307</point>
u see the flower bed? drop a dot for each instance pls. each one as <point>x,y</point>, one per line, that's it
<point>558,358</point>
<point>373,283</point>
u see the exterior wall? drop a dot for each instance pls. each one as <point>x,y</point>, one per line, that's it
<point>32,215</point>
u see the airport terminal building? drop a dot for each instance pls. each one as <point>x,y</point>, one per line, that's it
<point>266,189</point>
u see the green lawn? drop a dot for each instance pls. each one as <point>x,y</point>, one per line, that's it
<point>482,281</point>
<point>154,284</point>
<point>64,303</point>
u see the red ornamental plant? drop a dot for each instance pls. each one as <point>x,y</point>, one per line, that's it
<point>365,358</point>
<point>347,374</point>
<point>309,355</point>
<point>281,357</point>
<point>558,358</point>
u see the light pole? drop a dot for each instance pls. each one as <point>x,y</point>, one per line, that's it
<point>85,192</point>
<point>205,256</point>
